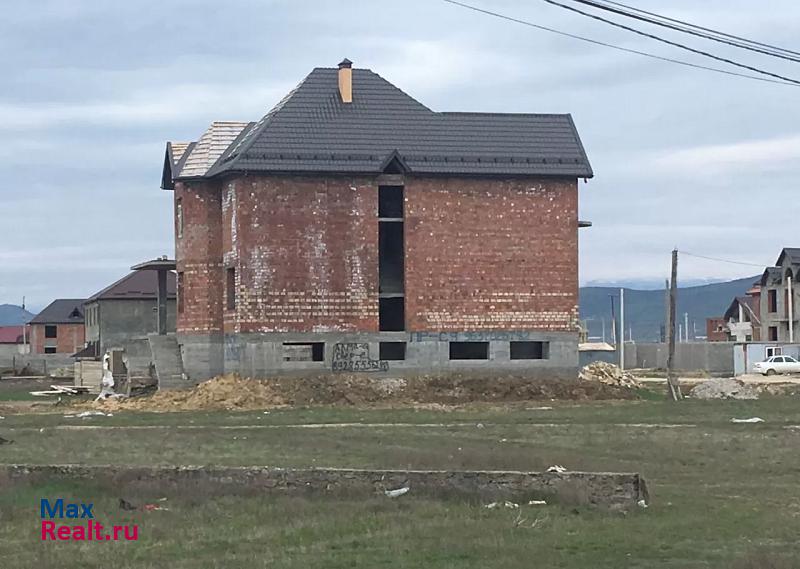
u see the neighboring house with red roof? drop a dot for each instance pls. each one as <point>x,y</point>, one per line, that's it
<point>125,310</point>
<point>59,328</point>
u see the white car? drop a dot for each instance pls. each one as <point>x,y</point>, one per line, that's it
<point>777,364</point>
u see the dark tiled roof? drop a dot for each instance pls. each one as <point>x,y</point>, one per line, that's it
<point>792,253</point>
<point>771,275</point>
<point>61,311</point>
<point>136,285</point>
<point>747,303</point>
<point>311,130</point>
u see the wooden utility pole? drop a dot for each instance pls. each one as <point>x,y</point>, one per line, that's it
<point>673,388</point>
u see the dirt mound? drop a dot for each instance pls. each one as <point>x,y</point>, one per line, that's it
<point>232,392</point>
<point>224,392</point>
<point>608,374</point>
<point>727,388</point>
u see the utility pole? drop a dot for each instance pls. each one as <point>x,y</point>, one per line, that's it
<point>24,330</point>
<point>622,328</point>
<point>673,388</point>
<point>603,322</point>
<point>790,308</point>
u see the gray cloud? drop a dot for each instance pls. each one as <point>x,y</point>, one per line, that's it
<point>93,89</point>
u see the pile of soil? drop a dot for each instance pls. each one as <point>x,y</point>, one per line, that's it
<point>727,388</point>
<point>608,374</point>
<point>232,392</point>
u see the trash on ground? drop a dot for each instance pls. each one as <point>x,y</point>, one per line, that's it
<point>609,374</point>
<point>506,504</point>
<point>538,408</point>
<point>723,388</point>
<point>556,468</point>
<point>537,502</point>
<point>125,505</point>
<point>397,492</point>
<point>86,414</point>
<point>154,508</point>
<point>748,420</point>
<point>641,504</point>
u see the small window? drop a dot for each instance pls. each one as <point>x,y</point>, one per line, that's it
<point>391,314</point>
<point>392,351</point>
<point>49,349</point>
<point>390,202</point>
<point>773,333</point>
<point>303,351</point>
<point>530,350</point>
<point>230,288</point>
<point>51,331</point>
<point>179,217</point>
<point>180,286</point>
<point>469,350</point>
<point>773,351</point>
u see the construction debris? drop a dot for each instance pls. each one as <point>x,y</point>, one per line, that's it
<point>725,388</point>
<point>506,504</point>
<point>87,414</point>
<point>557,468</point>
<point>397,492</point>
<point>537,502</point>
<point>750,420</point>
<point>608,374</point>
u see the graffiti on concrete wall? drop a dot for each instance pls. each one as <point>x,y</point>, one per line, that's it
<point>355,357</point>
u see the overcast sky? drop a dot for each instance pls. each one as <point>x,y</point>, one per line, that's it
<point>91,90</point>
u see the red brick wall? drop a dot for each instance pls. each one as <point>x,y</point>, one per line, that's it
<point>481,254</point>
<point>69,338</point>
<point>712,334</point>
<point>199,257</point>
<point>491,254</point>
<point>305,252</point>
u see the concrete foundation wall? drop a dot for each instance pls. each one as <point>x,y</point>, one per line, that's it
<point>262,355</point>
<point>123,320</point>
<point>617,491</point>
<point>37,364</point>
<point>713,357</point>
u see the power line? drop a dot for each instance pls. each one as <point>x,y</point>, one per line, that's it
<point>686,28</point>
<point>673,43</point>
<point>722,260</point>
<point>701,28</point>
<point>618,48</point>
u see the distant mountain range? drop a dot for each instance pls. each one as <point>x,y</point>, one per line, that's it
<point>645,309</point>
<point>12,315</point>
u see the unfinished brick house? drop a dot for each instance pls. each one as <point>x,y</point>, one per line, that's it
<point>354,229</point>
<point>59,328</point>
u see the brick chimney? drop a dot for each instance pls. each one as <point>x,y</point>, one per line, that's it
<point>346,80</point>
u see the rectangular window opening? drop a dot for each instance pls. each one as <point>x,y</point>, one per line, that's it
<point>391,314</point>
<point>773,333</point>
<point>50,350</point>
<point>392,351</point>
<point>51,331</point>
<point>469,350</point>
<point>772,300</point>
<point>530,350</point>
<point>180,286</point>
<point>303,351</point>
<point>230,289</point>
<point>390,257</point>
<point>390,201</point>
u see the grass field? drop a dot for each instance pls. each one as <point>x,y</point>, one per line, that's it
<point>722,495</point>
